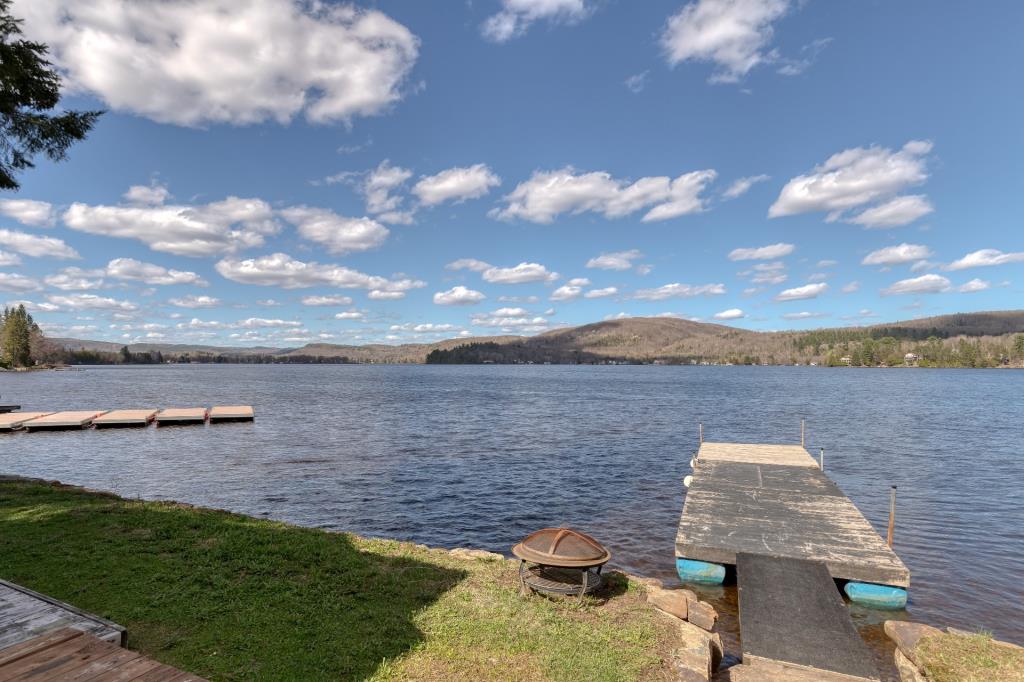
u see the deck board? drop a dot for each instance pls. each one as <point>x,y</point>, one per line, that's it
<point>791,611</point>
<point>790,510</point>
<point>25,615</point>
<point>74,419</point>
<point>11,421</point>
<point>125,418</point>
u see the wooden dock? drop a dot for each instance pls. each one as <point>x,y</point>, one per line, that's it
<point>124,418</point>
<point>774,500</point>
<point>12,421</point>
<point>232,413</point>
<point>25,614</point>
<point>101,419</point>
<point>63,420</point>
<point>181,415</point>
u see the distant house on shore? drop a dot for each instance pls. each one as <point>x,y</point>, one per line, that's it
<point>910,359</point>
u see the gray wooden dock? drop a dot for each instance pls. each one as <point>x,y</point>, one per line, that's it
<point>774,500</point>
<point>25,614</point>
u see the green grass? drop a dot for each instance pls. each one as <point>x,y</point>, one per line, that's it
<point>235,598</point>
<point>969,658</point>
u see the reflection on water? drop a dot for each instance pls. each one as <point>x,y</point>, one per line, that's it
<point>482,455</point>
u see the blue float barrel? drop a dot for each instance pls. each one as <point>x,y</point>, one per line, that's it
<point>876,596</point>
<point>691,571</point>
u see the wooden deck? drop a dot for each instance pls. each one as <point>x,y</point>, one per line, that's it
<point>13,421</point>
<point>181,415</point>
<point>69,654</point>
<point>64,420</point>
<point>116,418</point>
<point>232,413</point>
<point>773,500</point>
<point>25,614</point>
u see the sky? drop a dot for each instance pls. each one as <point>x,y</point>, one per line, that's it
<point>277,173</point>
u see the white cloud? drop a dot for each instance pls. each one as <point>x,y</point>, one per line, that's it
<point>897,255</point>
<point>677,290</point>
<point>92,302</point>
<point>12,281</point>
<point>458,295</point>
<point>381,295</point>
<point>326,300</point>
<point>75,279</point>
<point>37,247</point>
<point>9,259</point>
<point>456,184</point>
<point>731,314</point>
<point>339,234</point>
<point>468,264</point>
<point>769,252</point>
<point>548,194</point>
<point>857,177</point>
<point>766,273</point>
<point>850,288</point>
<point>150,273</point>
<point>985,258</point>
<point>147,195</point>
<point>191,301</point>
<point>350,315</point>
<point>571,290</point>
<point>29,212</point>
<point>516,16</point>
<point>216,228</point>
<point>733,34</point>
<point>601,293</point>
<point>519,299</point>
<point>974,285</point>
<point>520,274</point>
<point>511,320</point>
<point>617,260</point>
<point>263,323</point>
<point>637,82</point>
<point>281,270</point>
<point>895,212</point>
<point>378,188</point>
<point>226,61</point>
<point>803,315</point>
<point>800,293</point>
<point>925,284</point>
<point>826,263</point>
<point>742,185</point>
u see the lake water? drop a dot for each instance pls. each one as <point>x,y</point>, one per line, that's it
<point>480,456</point>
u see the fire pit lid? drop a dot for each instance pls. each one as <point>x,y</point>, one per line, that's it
<point>562,547</point>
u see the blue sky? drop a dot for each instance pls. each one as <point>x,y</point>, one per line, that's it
<point>278,173</point>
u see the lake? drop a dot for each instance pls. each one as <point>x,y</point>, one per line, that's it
<point>479,456</point>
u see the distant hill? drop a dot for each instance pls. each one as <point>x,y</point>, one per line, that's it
<point>640,339</point>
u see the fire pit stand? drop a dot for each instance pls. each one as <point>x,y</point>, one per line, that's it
<point>560,561</point>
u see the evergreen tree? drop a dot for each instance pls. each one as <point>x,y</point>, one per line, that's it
<point>16,337</point>
<point>29,90</point>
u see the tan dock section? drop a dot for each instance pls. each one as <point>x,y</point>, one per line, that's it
<point>63,420</point>
<point>123,418</point>
<point>12,421</point>
<point>232,413</point>
<point>774,500</point>
<point>181,415</point>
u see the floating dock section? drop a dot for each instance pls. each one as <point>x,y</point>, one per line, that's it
<point>775,500</point>
<point>63,420</point>
<point>12,421</point>
<point>124,418</point>
<point>181,415</point>
<point>232,413</point>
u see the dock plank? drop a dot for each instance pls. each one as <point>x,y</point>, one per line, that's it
<point>181,415</point>
<point>74,419</point>
<point>788,510</point>
<point>790,611</point>
<point>25,615</point>
<point>232,413</point>
<point>12,421</point>
<point>125,418</point>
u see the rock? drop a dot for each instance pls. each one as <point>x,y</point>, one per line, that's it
<point>465,553</point>
<point>906,668</point>
<point>699,653</point>
<point>672,602</point>
<point>907,634</point>
<point>653,583</point>
<point>702,614</point>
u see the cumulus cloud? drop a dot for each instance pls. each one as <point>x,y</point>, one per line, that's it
<point>226,61</point>
<point>767,273</point>
<point>379,187</point>
<point>281,270</point>
<point>857,177</point>
<point>617,260</point>
<point>150,273</point>
<point>547,194</point>
<point>217,228</point>
<point>350,315</point>
<point>516,16</point>
<point>805,315</point>
<point>985,258</point>
<point>35,246</point>
<point>9,259</point>
<point>12,281</point>
<point>191,301</point>
<point>974,286</point>
<point>326,300</point>
<point>925,284</point>
<point>730,314</point>
<point>75,279</point>
<point>800,293</point>
<point>732,34</point>
<point>147,195</point>
<point>897,255</point>
<point>458,295</point>
<point>676,290</point>
<point>468,264</point>
<point>741,186</point>
<point>769,252</point>
<point>92,302</point>
<point>456,184</point>
<point>601,293</point>
<point>850,288</point>
<point>519,274</point>
<point>339,234</point>
<point>511,320</point>
<point>381,295</point>
<point>29,212</point>
<point>571,290</point>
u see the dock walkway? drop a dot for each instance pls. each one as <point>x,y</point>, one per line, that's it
<point>774,500</point>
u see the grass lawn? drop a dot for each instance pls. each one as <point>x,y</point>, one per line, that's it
<point>969,658</point>
<point>230,597</point>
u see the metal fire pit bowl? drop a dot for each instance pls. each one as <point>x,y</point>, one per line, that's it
<point>560,561</point>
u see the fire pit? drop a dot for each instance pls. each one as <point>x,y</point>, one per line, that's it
<point>560,561</point>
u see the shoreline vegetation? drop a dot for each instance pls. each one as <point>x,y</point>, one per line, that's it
<point>963,340</point>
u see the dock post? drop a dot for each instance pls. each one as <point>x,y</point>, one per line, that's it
<point>700,427</point>
<point>892,514</point>
<point>821,459</point>
<point>802,440</point>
